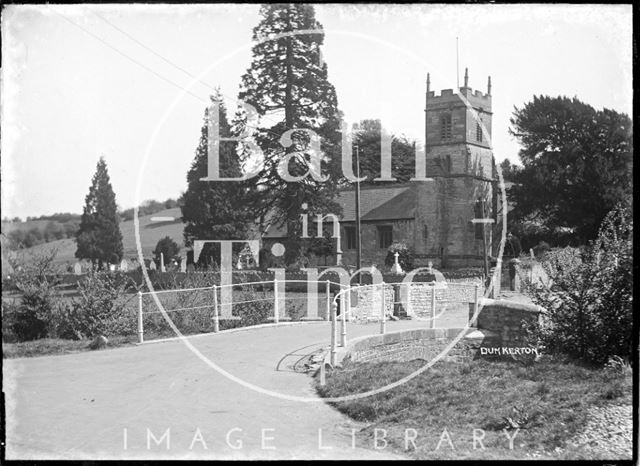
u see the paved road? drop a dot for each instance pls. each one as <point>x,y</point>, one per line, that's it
<point>83,406</point>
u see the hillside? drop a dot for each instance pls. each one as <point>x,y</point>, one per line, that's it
<point>150,234</point>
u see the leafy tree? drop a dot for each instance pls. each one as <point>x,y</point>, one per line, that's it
<point>367,138</point>
<point>288,86</point>
<point>99,238</point>
<point>589,294</point>
<point>169,249</point>
<point>509,170</point>
<point>577,164</point>
<point>215,210</point>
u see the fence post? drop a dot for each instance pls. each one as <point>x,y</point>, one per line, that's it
<point>433,306</point>
<point>276,307</point>
<point>383,322</point>
<point>328,317</point>
<point>334,309</point>
<point>216,315</point>
<point>140,324</point>
<point>343,321</point>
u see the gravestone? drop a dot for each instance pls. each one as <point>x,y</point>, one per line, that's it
<point>77,268</point>
<point>162,268</point>
<point>183,264</point>
<point>152,265</point>
<point>124,265</point>
<point>396,269</point>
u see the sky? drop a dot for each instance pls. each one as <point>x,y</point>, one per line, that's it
<point>83,81</point>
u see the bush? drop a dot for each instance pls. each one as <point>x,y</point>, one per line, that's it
<point>32,316</point>
<point>31,319</point>
<point>101,308</point>
<point>405,256</point>
<point>589,295</point>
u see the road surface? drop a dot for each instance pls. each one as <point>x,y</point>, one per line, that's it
<point>118,403</point>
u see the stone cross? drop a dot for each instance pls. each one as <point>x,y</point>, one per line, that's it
<point>396,269</point>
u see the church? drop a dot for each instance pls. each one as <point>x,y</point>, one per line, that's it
<point>448,218</point>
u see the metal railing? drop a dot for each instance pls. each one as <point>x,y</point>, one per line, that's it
<point>215,302</point>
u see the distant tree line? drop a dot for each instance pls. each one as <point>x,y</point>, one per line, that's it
<point>65,225</point>
<point>52,231</point>
<point>149,207</point>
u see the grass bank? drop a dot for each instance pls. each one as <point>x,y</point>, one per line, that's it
<point>53,346</point>
<point>535,409</point>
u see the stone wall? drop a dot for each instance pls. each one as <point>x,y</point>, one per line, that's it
<point>407,345</point>
<point>505,320</point>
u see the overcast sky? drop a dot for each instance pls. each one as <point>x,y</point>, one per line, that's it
<point>74,87</point>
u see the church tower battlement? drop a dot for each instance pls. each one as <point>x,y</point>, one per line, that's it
<point>461,122</point>
<point>459,160</point>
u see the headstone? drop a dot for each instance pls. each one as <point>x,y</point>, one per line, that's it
<point>124,265</point>
<point>162,269</point>
<point>183,265</point>
<point>533,256</point>
<point>77,268</point>
<point>152,265</point>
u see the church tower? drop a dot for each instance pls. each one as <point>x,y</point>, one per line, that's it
<point>459,160</point>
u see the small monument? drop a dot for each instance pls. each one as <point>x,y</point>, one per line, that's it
<point>77,268</point>
<point>162,268</point>
<point>124,265</point>
<point>183,264</point>
<point>152,265</point>
<point>396,269</point>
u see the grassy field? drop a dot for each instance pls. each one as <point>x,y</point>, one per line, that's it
<point>150,234</point>
<point>540,406</point>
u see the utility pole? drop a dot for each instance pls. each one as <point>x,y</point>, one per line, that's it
<point>358,242</point>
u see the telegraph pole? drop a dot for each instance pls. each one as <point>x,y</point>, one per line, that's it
<point>358,242</point>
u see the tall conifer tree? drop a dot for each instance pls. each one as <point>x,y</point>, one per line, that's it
<point>99,238</point>
<point>287,84</point>
<point>215,210</point>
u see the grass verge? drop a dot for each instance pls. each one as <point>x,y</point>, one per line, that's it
<point>433,416</point>
<point>52,346</point>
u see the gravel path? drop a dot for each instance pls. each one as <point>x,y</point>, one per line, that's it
<point>608,433</point>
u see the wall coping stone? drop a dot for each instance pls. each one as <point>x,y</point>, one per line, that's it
<point>511,305</point>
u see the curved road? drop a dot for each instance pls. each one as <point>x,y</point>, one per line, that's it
<point>115,404</point>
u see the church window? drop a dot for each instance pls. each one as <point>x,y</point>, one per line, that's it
<point>445,127</point>
<point>385,236</point>
<point>478,132</point>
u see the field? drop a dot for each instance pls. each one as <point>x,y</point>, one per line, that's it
<point>150,234</point>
